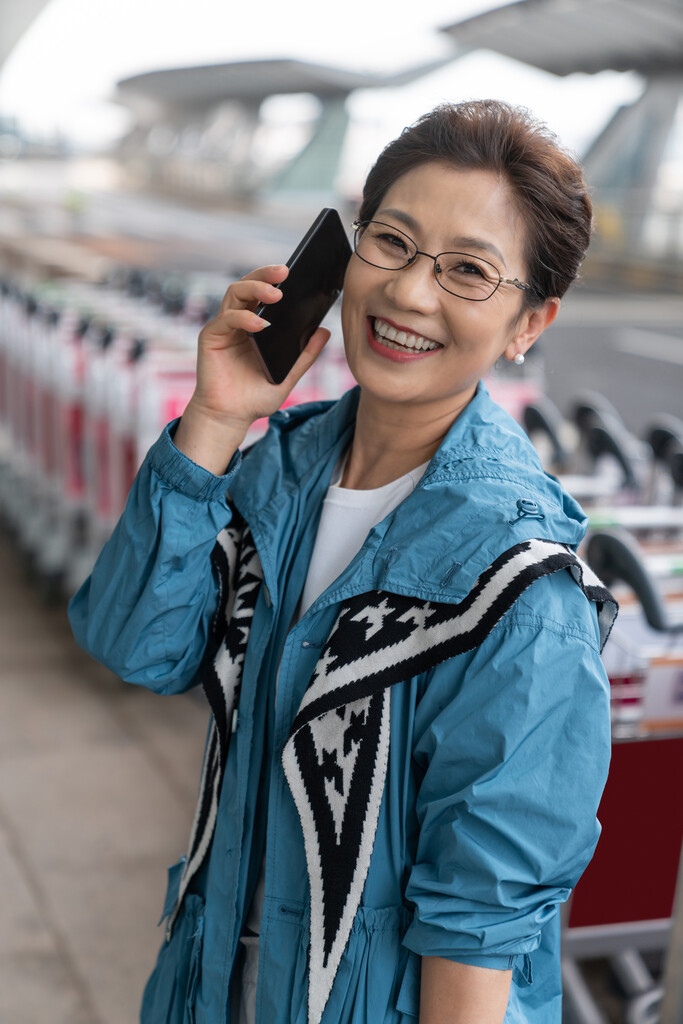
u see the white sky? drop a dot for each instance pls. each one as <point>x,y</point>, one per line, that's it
<point>62,74</point>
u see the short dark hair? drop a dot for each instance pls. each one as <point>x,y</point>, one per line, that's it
<point>546,180</point>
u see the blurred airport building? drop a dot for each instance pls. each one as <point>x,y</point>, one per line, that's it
<point>218,133</point>
<point>201,131</point>
<point>636,164</point>
<point>15,19</point>
<point>206,132</point>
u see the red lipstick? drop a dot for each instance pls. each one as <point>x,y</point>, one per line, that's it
<point>394,355</point>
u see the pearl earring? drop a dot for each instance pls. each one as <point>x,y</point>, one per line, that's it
<point>519,359</point>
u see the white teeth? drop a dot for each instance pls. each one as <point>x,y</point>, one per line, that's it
<point>401,340</point>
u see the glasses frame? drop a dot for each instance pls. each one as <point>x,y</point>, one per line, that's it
<point>358,224</point>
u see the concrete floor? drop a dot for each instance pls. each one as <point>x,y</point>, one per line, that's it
<point>97,788</point>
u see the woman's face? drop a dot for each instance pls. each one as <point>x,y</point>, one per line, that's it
<point>443,209</point>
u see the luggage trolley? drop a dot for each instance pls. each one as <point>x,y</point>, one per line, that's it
<point>623,906</point>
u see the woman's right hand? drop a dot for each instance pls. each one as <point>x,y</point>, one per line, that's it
<point>232,390</point>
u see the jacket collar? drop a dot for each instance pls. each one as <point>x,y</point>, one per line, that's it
<point>279,488</point>
<point>485,487</point>
<point>484,492</point>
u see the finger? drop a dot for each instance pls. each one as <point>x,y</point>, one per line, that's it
<point>248,294</point>
<point>274,273</point>
<point>233,320</point>
<point>318,340</point>
<point>260,285</point>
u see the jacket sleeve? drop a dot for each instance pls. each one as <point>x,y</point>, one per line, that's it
<point>514,744</point>
<point>146,608</point>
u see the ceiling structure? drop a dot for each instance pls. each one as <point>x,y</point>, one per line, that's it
<point>629,163</point>
<point>15,18</point>
<point>185,98</point>
<point>252,81</point>
<point>565,36</point>
<point>557,36</point>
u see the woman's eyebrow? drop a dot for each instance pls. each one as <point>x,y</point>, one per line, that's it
<point>405,218</point>
<point>480,243</point>
<point>467,242</point>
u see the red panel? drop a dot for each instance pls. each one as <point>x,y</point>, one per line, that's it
<point>632,876</point>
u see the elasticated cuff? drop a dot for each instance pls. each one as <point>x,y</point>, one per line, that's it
<point>184,475</point>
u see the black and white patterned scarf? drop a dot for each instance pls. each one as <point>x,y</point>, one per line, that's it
<point>336,756</point>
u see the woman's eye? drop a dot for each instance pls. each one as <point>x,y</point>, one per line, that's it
<point>469,268</point>
<point>459,268</point>
<point>393,241</point>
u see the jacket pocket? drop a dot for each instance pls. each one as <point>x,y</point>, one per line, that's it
<point>170,993</point>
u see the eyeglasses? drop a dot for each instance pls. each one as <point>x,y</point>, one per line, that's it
<point>459,273</point>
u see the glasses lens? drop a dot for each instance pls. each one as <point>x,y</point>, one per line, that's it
<point>466,276</point>
<point>384,246</point>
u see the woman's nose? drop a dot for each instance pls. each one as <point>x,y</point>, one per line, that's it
<point>415,286</point>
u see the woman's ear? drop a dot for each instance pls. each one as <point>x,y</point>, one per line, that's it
<point>530,326</point>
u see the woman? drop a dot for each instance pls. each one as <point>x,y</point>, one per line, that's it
<point>410,728</point>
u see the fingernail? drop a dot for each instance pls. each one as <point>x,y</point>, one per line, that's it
<point>266,323</point>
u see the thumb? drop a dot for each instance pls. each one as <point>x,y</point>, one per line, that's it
<point>316,343</point>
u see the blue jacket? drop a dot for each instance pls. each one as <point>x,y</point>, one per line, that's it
<point>497,756</point>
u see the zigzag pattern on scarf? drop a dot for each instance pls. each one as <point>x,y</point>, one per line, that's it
<point>336,757</point>
<point>239,577</point>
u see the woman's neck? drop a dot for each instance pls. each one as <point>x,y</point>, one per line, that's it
<point>390,440</point>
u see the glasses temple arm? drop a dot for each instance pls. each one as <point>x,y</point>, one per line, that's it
<point>517,283</point>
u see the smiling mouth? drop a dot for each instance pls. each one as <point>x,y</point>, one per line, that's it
<point>400,341</point>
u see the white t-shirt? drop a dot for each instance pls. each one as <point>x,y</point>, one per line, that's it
<point>346,519</point>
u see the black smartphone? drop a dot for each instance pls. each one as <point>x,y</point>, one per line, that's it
<point>316,276</point>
